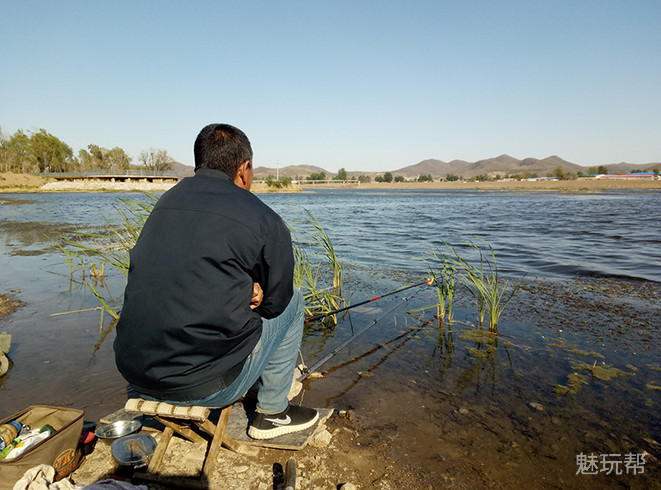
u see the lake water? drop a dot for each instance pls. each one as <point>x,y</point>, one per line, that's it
<point>592,266</point>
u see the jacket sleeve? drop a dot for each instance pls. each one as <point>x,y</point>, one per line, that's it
<point>276,272</point>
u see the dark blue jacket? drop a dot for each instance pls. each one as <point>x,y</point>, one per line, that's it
<point>186,326</point>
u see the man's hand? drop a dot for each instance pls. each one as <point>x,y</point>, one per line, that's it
<point>257,296</point>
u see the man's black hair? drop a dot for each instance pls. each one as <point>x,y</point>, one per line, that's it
<point>222,147</point>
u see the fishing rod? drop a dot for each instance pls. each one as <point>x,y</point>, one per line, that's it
<point>429,281</point>
<point>330,355</point>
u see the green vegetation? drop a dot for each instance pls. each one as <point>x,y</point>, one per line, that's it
<point>603,373</point>
<point>601,169</point>
<point>574,383</point>
<point>523,176</point>
<point>108,248</point>
<point>341,175</point>
<point>561,174</point>
<point>92,254</point>
<point>317,176</point>
<point>481,281</point>
<point>40,151</point>
<point>386,177</point>
<point>320,283</point>
<point>280,183</point>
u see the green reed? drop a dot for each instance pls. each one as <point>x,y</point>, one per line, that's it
<point>445,284</point>
<point>481,280</point>
<point>321,285</point>
<point>109,247</point>
<point>92,254</point>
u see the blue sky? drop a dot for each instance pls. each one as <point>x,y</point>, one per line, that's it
<point>364,85</point>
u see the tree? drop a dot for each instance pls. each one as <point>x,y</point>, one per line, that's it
<point>317,176</point>
<point>119,160</point>
<point>156,160</point>
<point>364,178</point>
<point>50,154</point>
<point>399,178</point>
<point>426,178</point>
<point>387,177</point>
<point>341,174</point>
<point>451,177</point>
<point>560,173</point>
<point>38,152</point>
<point>602,169</point>
<point>15,153</point>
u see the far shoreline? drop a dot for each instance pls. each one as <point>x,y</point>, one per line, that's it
<point>11,183</point>
<point>577,185</point>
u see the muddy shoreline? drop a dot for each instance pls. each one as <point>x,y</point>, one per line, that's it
<point>397,432</point>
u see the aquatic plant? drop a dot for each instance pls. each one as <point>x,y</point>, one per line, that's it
<point>110,247</point>
<point>491,293</point>
<point>87,251</point>
<point>481,281</point>
<point>445,284</point>
<point>321,285</point>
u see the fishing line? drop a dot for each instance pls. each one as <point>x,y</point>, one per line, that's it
<point>429,281</point>
<point>330,355</point>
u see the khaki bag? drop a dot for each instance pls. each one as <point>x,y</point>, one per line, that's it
<point>58,450</point>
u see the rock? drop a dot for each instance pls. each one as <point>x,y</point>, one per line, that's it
<point>463,411</point>
<point>4,364</point>
<point>348,486</point>
<point>350,415</point>
<point>240,469</point>
<point>536,406</point>
<point>321,438</point>
<point>5,342</point>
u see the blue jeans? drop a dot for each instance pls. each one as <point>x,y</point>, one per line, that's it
<point>270,366</point>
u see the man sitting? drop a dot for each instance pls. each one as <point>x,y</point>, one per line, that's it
<point>210,310</point>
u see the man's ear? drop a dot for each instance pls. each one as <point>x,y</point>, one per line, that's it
<point>244,175</point>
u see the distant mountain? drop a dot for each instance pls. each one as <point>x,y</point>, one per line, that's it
<point>502,165</point>
<point>625,168</point>
<point>506,165</point>
<point>183,170</point>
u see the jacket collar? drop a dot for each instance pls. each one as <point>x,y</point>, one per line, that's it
<point>210,172</point>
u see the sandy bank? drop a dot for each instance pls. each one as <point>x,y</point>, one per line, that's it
<point>16,183</point>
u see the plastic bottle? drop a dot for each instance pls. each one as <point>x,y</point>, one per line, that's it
<point>8,433</point>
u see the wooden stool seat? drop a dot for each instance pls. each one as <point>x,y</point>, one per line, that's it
<point>178,419</point>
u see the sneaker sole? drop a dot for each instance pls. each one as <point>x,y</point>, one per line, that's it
<point>280,431</point>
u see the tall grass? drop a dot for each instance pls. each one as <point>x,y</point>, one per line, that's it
<point>445,284</point>
<point>481,280</point>
<point>109,248</point>
<point>93,254</point>
<point>321,284</point>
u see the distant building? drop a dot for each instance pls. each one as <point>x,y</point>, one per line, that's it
<point>640,175</point>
